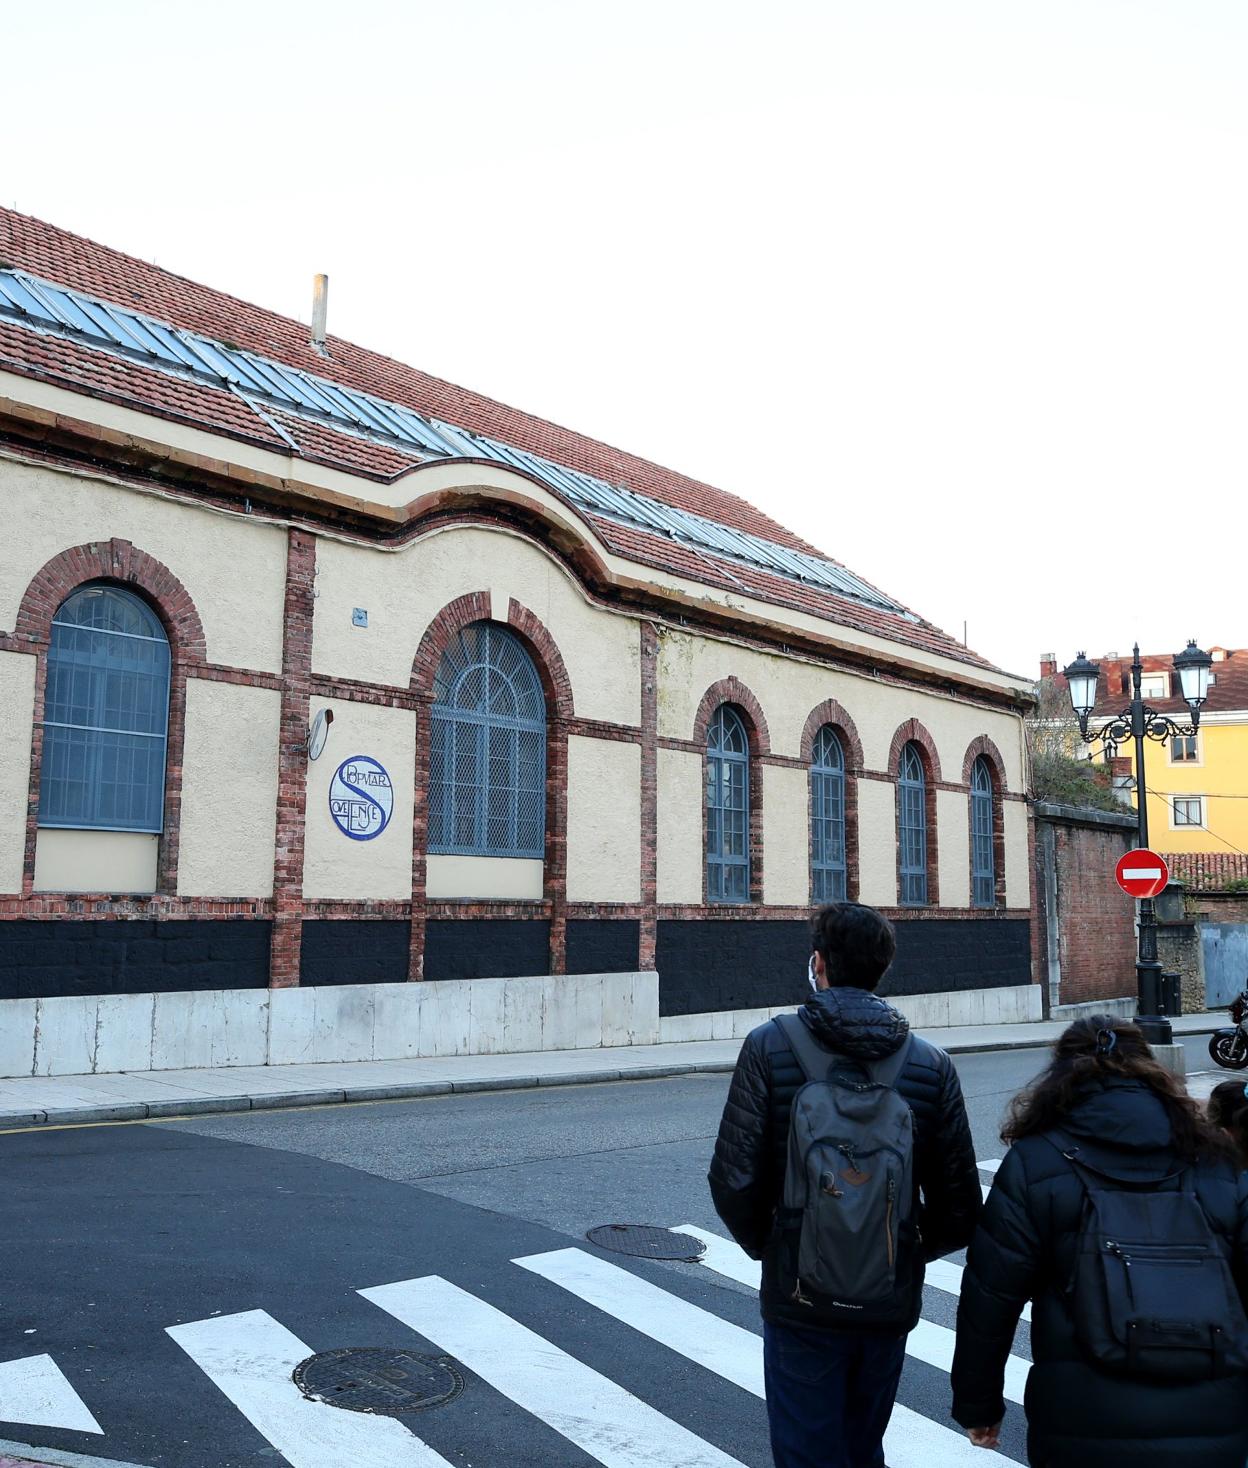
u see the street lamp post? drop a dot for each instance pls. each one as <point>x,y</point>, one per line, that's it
<point>1139,722</point>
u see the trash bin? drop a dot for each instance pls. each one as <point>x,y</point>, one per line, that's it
<point>1171,995</point>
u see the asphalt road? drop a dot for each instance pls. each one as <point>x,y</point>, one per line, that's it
<point>114,1234</point>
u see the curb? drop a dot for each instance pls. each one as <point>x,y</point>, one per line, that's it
<point>26,1456</point>
<point>412,1090</point>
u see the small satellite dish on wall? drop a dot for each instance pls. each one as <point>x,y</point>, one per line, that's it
<point>318,732</point>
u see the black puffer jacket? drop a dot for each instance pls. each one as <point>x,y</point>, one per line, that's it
<point>747,1173</point>
<point>1079,1416</point>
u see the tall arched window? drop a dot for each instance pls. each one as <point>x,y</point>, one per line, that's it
<point>106,714</point>
<point>827,818</point>
<point>912,827</point>
<point>983,866</point>
<point>727,808</point>
<point>487,760</point>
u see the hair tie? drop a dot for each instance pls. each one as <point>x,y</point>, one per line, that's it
<point>1246,1091</point>
<point>1107,1039</point>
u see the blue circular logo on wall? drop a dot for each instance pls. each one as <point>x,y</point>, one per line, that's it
<point>361,798</point>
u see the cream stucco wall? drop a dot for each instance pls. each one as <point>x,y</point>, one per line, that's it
<point>679,857</point>
<point>877,843</point>
<point>1017,855</point>
<point>233,568</point>
<point>229,790</point>
<point>604,820</point>
<point>788,689</point>
<point>953,817</point>
<point>334,864</point>
<point>17,698</point>
<point>96,861</point>
<point>404,591</point>
<point>502,879</point>
<point>786,836</point>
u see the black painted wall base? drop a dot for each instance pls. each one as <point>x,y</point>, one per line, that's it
<point>486,948</point>
<point>705,966</point>
<point>351,951</point>
<point>603,946</point>
<point>39,960</point>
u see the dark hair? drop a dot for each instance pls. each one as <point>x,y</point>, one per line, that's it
<point>1228,1109</point>
<point>855,942</point>
<point>1101,1048</point>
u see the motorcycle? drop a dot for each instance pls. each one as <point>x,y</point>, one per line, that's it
<point>1229,1046</point>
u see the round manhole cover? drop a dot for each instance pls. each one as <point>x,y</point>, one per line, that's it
<point>382,1380</point>
<point>646,1242</point>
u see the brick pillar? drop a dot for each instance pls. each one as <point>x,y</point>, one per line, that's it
<point>420,842</point>
<point>292,762</point>
<point>649,834</point>
<point>557,843</point>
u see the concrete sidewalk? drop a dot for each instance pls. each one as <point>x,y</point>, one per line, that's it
<point>136,1096</point>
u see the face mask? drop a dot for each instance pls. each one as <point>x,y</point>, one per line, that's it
<point>812,975</point>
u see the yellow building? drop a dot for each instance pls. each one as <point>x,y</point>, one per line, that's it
<point>1197,784</point>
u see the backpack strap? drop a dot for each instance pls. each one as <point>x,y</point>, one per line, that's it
<point>817,1062</point>
<point>1094,1178</point>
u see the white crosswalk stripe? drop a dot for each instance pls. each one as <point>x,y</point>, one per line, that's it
<point>614,1427</point>
<point>912,1441</point>
<point>926,1342</point>
<point>250,1357</point>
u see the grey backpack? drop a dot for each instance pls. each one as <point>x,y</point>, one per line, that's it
<point>850,1173</point>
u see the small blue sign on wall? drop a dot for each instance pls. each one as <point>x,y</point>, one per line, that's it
<point>361,798</point>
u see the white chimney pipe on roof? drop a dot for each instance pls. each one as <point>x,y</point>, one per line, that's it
<point>320,305</point>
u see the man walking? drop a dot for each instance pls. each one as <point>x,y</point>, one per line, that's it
<point>843,1191</point>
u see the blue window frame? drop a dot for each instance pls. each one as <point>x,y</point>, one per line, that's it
<point>983,864</point>
<point>727,808</point>
<point>106,714</point>
<point>487,758</point>
<point>912,827</point>
<point>827,818</point>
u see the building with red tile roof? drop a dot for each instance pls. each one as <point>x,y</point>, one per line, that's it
<point>583,714</point>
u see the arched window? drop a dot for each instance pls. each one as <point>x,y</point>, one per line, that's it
<point>106,714</point>
<point>827,818</point>
<point>727,808</point>
<point>912,827</point>
<point>487,760</point>
<point>983,865</point>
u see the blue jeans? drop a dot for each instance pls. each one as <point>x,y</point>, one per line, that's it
<point>830,1394</point>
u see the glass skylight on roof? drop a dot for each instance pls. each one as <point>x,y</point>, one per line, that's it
<point>45,307</point>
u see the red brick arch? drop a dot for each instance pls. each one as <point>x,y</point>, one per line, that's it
<point>830,711</point>
<point>834,713</point>
<point>983,746</point>
<point>121,564</point>
<point>732,690</point>
<point>913,732</point>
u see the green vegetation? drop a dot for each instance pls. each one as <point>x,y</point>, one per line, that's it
<point>1065,781</point>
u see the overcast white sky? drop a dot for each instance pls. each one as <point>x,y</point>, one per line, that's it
<point>956,288</point>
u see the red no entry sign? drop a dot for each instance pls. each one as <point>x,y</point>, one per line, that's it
<point>1142,873</point>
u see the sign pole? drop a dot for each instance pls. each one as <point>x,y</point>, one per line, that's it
<point>1155,1027</point>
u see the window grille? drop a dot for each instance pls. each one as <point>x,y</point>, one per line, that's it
<point>106,714</point>
<point>912,827</point>
<point>827,818</point>
<point>487,758</point>
<point>983,864</point>
<point>727,808</point>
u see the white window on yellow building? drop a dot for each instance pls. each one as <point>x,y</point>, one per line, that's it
<point>1187,810</point>
<point>1185,749</point>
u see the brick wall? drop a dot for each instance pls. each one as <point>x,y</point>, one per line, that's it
<point>1086,922</point>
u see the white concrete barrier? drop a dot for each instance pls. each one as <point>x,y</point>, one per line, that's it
<point>1015,1004</point>
<point>86,1034</point>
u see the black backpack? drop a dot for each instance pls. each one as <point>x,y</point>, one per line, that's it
<point>1152,1293</point>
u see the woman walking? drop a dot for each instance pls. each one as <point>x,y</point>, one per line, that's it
<point>1123,1214</point>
